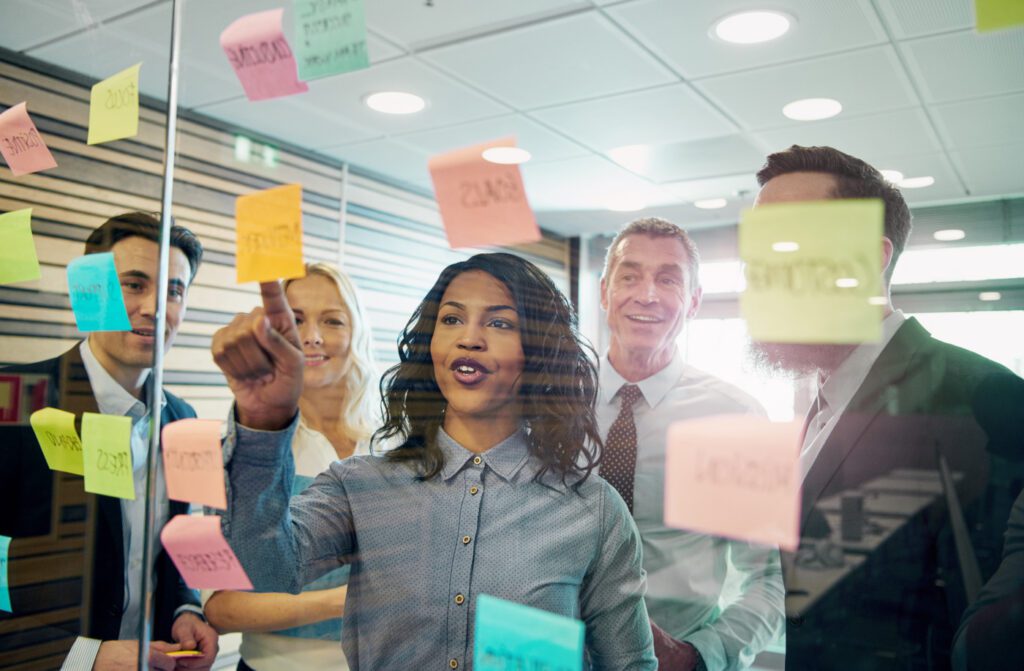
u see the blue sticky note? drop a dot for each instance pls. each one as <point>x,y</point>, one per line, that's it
<point>512,636</point>
<point>96,294</point>
<point>5,592</point>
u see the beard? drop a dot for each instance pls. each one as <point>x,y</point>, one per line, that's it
<point>797,360</point>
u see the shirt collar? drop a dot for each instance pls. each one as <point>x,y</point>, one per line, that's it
<point>839,387</point>
<point>111,397</point>
<point>506,458</point>
<point>653,388</point>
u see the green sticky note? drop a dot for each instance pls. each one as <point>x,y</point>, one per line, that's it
<point>107,452</point>
<point>998,14</point>
<point>330,37</point>
<point>114,107</point>
<point>5,592</point>
<point>55,431</point>
<point>813,271</point>
<point>508,635</point>
<point>18,260</point>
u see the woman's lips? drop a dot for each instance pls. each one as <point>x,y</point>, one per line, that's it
<point>315,360</point>
<point>468,371</point>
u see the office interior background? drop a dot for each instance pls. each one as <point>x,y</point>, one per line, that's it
<point>628,108</point>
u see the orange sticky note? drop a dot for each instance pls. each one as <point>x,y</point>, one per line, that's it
<point>204,559</point>
<point>482,203</point>
<point>735,476</point>
<point>269,234</point>
<point>259,53</point>
<point>22,146</point>
<point>193,465</point>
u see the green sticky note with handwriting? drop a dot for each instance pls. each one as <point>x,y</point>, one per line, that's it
<point>107,453</point>
<point>18,260</point>
<point>330,37</point>
<point>509,635</point>
<point>998,14</point>
<point>813,271</point>
<point>55,431</point>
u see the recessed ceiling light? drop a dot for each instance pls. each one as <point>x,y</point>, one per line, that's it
<point>785,246</point>
<point>878,300</point>
<point>917,182</point>
<point>847,282</point>
<point>506,155</point>
<point>751,27</point>
<point>892,176</point>
<point>395,102</point>
<point>949,235</point>
<point>812,109</point>
<point>711,203</point>
<point>989,296</point>
<point>625,202</point>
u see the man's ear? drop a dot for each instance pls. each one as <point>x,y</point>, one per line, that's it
<point>604,294</point>
<point>695,299</point>
<point>887,250</point>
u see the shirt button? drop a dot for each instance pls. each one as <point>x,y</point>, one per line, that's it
<point>459,599</point>
<point>477,460</point>
<point>454,663</point>
<point>473,490</point>
<point>465,540</point>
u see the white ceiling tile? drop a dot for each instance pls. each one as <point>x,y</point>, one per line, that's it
<point>967,65</point>
<point>680,32</point>
<point>839,77</point>
<point>913,18</point>
<point>584,183</point>
<point>699,159</point>
<point>388,157</point>
<point>716,187</point>
<point>543,144</point>
<point>581,56</point>
<point>981,122</point>
<point>664,114</point>
<point>27,23</point>
<point>992,171</point>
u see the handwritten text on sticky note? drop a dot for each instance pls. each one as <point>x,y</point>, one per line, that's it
<point>269,234</point>
<point>22,146</point>
<point>18,260</point>
<point>55,431</point>
<point>193,464</point>
<point>734,476</point>
<point>107,454</point>
<point>482,203</point>
<point>509,635</point>
<point>998,14</point>
<point>813,271</point>
<point>204,559</point>
<point>95,293</point>
<point>5,590</point>
<point>259,53</point>
<point>114,107</point>
<point>330,37</point>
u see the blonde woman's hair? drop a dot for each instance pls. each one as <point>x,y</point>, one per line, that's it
<point>359,407</point>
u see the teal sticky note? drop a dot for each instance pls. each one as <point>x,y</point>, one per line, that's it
<point>5,591</point>
<point>96,294</point>
<point>330,37</point>
<point>510,636</point>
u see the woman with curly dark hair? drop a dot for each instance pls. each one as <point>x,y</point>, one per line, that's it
<point>489,490</point>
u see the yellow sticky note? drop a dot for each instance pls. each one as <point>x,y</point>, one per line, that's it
<point>997,14</point>
<point>269,230</point>
<point>813,271</point>
<point>107,452</point>
<point>114,107</point>
<point>18,260</point>
<point>55,431</point>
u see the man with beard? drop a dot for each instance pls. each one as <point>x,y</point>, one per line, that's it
<point>896,403</point>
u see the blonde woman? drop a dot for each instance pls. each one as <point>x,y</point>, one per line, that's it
<point>303,631</point>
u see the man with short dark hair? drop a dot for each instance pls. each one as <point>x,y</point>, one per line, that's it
<point>649,289</point>
<point>108,373</point>
<point>898,403</point>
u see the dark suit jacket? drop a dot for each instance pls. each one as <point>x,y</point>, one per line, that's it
<point>921,397</point>
<point>68,547</point>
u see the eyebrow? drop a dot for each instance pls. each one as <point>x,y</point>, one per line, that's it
<point>489,308</point>
<point>663,268</point>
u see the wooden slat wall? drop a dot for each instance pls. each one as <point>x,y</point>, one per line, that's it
<point>394,245</point>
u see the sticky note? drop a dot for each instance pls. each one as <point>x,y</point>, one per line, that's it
<point>95,293</point>
<point>482,203</point>
<point>114,107</point>
<point>259,53</point>
<point>193,465</point>
<point>22,146</point>
<point>5,591</point>
<point>18,260</point>
<point>813,271</point>
<point>509,635</point>
<point>107,453</point>
<point>204,559</point>
<point>735,476</point>
<point>55,431</point>
<point>997,14</point>
<point>269,234</point>
<point>330,37</point>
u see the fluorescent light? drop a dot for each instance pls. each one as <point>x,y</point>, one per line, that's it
<point>751,27</point>
<point>785,246</point>
<point>878,300</point>
<point>711,203</point>
<point>917,182</point>
<point>989,296</point>
<point>243,148</point>
<point>812,109</point>
<point>395,102</point>
<point>625,202</point>
<point>892,176</point>
<point>847,282</point>
<point>634,157</point>
<point>949,235</point>
<point>506,155</point>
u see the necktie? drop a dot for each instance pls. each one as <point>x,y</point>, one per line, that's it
<point>618,465</point>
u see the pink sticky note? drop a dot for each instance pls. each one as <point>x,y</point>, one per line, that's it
<point>193,465</point>
<point>204,559</point>
<point>735,476</point>
<point>482,203</point>
<point>21,144</point>
<point>259,53</point>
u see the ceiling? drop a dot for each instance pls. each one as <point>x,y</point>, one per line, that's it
<point>921,91</point>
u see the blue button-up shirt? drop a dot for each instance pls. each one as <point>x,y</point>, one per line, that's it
<point>421,551</point>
